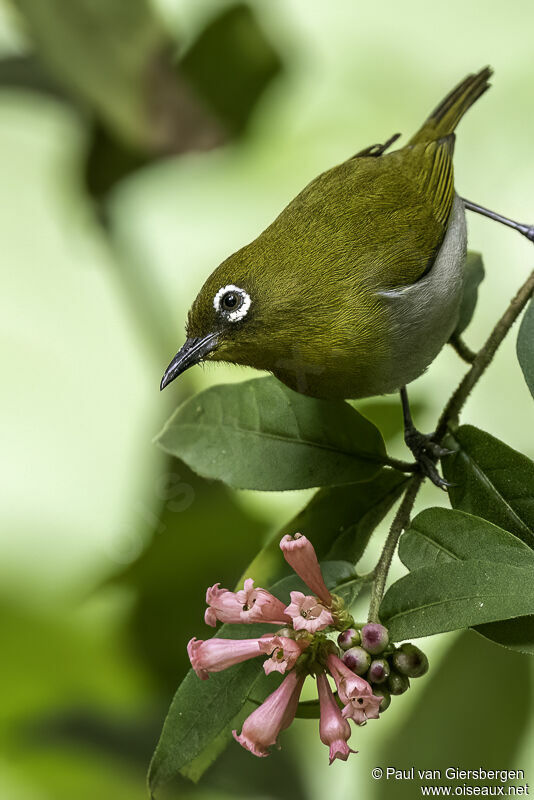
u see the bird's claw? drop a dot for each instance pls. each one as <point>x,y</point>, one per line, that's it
<point>427,452</point>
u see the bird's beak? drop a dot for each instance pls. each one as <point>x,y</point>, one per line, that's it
<point>193,351</point>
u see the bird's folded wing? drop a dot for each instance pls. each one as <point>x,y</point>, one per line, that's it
<point>403,223</point>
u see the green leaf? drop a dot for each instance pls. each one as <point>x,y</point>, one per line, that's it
<point>491,480</point>
<point>456,595</point>
<point>261,435</point>
<point>440,535</point>
<point>338,521</point>
<point>516,634</point>
<point>473,277</point>
<point>104,52</point>
<point>525,346</point>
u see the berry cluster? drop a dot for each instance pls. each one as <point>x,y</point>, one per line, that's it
<point>369,653</point>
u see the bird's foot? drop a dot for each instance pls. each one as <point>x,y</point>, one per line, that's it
<point>427,452</point>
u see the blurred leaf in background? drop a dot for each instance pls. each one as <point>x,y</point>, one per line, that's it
<point>117,63</point>
<point>203,536</point>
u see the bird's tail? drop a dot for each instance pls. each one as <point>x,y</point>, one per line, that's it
<point>444,119</point>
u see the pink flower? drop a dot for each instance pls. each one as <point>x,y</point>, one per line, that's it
<point>354,692</point>
<point>307,614</point>
<point>334,730</point>
<point>247,605</point>
<point>300,555</point>
<point>214,655</point>
<point>276,713</point>
<point>223,606</point>
<point>283,651</point>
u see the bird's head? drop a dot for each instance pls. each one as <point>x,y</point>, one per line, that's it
<point>292,302</point>
<point>236,316</point>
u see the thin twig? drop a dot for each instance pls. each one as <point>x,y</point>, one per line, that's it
<point>462,349</point>
<point>401,466</point>
<point>400,522</point>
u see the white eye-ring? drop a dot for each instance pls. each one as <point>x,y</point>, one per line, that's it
<point>232,302</point>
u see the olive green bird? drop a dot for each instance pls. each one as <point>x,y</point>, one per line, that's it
<point>356,286</point>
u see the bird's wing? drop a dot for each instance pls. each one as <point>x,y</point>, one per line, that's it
<point>382,219</point>
<point>402,206</point>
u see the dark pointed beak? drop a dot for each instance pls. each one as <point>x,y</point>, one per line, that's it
<point>193,351</point>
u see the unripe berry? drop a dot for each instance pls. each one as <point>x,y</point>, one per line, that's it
<point>378,671</point>
<point>349,638</point>
<point>357,659</point>
<point>381,691</point>
<point>375,638</point>
<point>397,683</point>
<point>410,661</point>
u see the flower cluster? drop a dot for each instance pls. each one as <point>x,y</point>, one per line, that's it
<point>300,647</point>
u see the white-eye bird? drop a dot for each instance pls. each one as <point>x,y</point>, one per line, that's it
<point>356,286</point>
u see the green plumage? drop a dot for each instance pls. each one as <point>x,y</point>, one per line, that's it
<point>356,285</point>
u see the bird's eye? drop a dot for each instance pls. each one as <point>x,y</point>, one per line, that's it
<point>232,303</point>
<point>229,301</point>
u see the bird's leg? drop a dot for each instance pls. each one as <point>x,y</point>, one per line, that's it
<point>425,451</point>
<point>526,230</point>
<point>377,150</point>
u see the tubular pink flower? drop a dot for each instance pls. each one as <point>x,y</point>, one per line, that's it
<point>307,614</point>
<point>223,606</point>
<point>247,605</point>
<point>356,694</point>
<point>334,730</point>
<point>259,605</point>
<point>214,655</point>
<point>276,713</point>
<point>283,651</point>
<point>362,708</point>
<point>300,555</point>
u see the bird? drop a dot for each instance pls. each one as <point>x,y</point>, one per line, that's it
<point>356,286</point>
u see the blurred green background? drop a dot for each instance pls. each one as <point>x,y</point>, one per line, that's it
<point>141,142</point>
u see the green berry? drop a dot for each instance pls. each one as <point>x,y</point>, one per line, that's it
<point>349,638</point>
<point>378,671</point>
<point>410,661</point>
<point>397,683</point>
<point>375,638</point>
<point>381,691</point>
<point>357,659</point>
